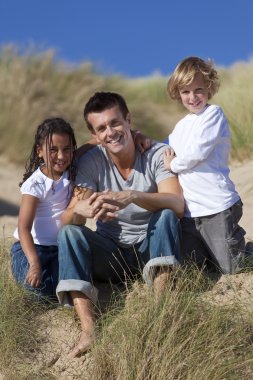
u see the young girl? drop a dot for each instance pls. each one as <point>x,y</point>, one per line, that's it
<point>200,146</point>
<point>46,190</point>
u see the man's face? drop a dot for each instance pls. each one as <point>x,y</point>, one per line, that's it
<point>111,130</point>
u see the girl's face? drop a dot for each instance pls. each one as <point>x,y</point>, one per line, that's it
<point>194,97</point>
<point>57,155</point>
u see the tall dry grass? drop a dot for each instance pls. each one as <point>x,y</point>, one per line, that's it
<point>12,327</point>
<point>35,85</point>
<point>18,327</point>
<point>236,97</point>
<point>181,336</point>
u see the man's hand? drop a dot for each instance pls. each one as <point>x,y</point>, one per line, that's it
<point>168,156</point>
<point>84,209</point>
<point>141,142</point>
<point>107,204</point>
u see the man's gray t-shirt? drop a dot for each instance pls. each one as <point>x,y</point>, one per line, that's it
<point>97,171</point>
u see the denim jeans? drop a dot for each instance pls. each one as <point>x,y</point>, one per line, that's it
<point>48,256</point>
<point>85,256</point>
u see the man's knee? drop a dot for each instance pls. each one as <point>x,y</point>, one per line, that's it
<point>72,238</point>
<point>166,216</point>
<point>68,232</point>
<point>170,216</point>
<point>169,222</point>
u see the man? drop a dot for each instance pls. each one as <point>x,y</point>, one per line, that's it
<point>136,204</point>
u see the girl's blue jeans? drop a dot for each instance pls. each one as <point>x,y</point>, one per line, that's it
<point>48,256</point>
<point>85,256</point>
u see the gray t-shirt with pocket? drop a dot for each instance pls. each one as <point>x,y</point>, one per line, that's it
<point>96,171</point>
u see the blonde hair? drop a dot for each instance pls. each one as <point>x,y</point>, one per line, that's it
<point>185,72</point>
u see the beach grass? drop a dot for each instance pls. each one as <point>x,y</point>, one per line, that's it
<point>180,336</point>
<point>18,327</point>
<point>35,85</point>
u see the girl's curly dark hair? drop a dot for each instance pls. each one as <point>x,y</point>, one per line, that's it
<point>44,134</point>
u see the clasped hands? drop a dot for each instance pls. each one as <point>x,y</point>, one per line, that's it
<point>104,206</point>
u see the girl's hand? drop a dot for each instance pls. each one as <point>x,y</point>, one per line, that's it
<point>168,156</point>
<point>141,142</point>
<point>33,276</point>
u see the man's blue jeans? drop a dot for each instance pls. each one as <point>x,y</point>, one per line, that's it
<point>84,256</point>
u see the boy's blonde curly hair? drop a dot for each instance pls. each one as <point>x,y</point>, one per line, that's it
<point>185,73</point>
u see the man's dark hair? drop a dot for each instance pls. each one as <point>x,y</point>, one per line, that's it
<point>101,101</point>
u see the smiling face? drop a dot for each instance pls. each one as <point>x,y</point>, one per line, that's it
<point>111,130</point>
<point>195,96</point>
<point>57,154</point>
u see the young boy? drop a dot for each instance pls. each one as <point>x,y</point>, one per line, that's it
<point>199,153</point>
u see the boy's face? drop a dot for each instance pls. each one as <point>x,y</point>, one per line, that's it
<point>194,97</point>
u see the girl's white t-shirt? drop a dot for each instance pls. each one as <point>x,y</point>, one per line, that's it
<point>54,197</point>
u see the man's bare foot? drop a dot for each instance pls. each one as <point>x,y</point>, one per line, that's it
<point>85,312</point>
<point>162,281</point>
<point>84,344</point>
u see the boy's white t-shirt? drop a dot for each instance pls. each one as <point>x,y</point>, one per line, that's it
<point>54,197</point>
<point>202,146</point>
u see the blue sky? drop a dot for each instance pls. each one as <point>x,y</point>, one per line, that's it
<point>132,37</point>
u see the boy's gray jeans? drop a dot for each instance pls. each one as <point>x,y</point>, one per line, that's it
<point>215,238</point>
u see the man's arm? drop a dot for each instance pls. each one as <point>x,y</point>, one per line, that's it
<point>78,209</point>
<point>85,147</point>
<point>169,196</point>
<point>141,142</point>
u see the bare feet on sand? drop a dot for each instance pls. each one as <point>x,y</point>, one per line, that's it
<point>84,344</point>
